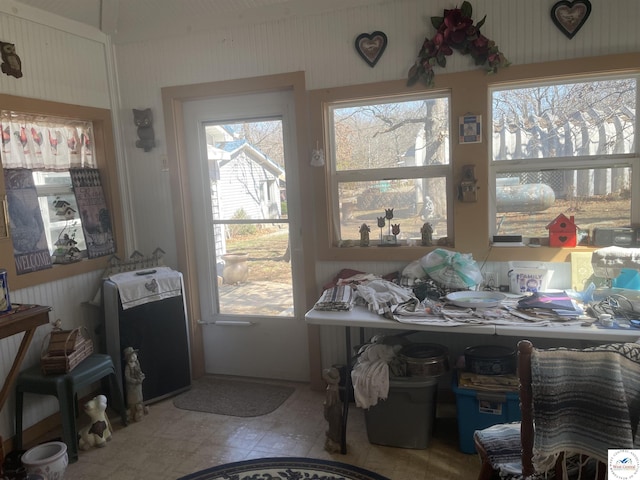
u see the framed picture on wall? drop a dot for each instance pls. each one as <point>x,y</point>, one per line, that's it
<point>470,129</point>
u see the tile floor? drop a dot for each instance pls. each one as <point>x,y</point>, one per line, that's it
<point>169,443</point>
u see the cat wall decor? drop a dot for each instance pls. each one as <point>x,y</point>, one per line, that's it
<point>144,121</point>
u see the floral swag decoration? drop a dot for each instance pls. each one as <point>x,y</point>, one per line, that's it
<point>455,31</point>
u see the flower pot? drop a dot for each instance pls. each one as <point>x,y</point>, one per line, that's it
<point>236,268</point>
<point>48,459</point>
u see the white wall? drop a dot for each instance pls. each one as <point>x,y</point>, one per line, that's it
<point>322,45</point>
<point>65,67</point>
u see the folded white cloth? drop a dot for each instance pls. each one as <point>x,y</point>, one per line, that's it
<point>383,296</point>
<point>145,286</point>
<point>370,375</point>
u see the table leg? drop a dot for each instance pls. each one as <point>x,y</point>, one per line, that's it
<point>347,393</point>
<point>15,368</point>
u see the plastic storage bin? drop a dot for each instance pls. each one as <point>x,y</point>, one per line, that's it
<point>478,409</point>
<point>405,419</point>
<point>528,277</point>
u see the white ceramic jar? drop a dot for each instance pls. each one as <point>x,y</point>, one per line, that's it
<point>47,459</point>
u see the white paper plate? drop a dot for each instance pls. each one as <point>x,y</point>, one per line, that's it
<point>473,299</point>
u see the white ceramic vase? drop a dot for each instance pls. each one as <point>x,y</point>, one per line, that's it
<point>236,268</point>
<point>47,459</point>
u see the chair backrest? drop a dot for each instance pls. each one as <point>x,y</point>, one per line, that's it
<point>586,362</point>
<point>525,347</point>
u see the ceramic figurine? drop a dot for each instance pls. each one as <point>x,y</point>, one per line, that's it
<point>364,235</point>
<point>332,410</point>
<point>427,234</point>
<point>11,63</point>
<point>144,121</point>
<point>134,377</point>
<point>381,224</point>
<point>98,432</point>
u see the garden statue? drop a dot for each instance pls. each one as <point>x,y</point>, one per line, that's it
<point>364,235</point>
<point>427,234</point>
<point>332,410</point>
<point>133,375</point>
<point>98,432</point>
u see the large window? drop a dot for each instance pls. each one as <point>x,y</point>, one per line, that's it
<point>41,151</point>
<point>55,155</point>
<point>565,148</point>
<point>390,153</point>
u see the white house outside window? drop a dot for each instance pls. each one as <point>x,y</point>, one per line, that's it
<point>390,153</point>
<point>565,148</point>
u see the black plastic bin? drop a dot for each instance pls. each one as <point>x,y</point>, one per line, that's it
<point>405,419</point>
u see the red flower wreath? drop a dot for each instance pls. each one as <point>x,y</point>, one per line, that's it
<point>455,31</point>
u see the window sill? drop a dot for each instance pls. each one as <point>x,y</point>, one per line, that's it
<point>56,272</point>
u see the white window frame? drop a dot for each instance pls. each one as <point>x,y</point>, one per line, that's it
<point>630,160</point>
<point>380,174</point>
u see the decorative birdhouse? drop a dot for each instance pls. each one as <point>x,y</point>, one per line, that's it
<point>563,232</point>
<point>63,209</point>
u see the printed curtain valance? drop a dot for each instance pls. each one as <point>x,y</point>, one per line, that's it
<point>46,143</point>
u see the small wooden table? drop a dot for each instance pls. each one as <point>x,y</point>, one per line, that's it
<point>22,318</point>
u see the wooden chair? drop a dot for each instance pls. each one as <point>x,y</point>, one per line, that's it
<point>508,449</point>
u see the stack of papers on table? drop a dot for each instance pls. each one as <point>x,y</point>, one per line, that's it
<point>490,383</point>
<point>559,303</point>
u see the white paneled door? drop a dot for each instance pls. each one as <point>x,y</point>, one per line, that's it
<point>242,174</point>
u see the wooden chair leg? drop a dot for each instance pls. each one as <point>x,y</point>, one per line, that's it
<point>486,471</point>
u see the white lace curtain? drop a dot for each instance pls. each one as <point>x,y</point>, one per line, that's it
<point>46,143</point>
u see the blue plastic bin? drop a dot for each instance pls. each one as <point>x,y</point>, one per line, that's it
<point>478,409</point>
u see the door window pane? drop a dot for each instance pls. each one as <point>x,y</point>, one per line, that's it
<point>250,222</point>
<point>254,272</point>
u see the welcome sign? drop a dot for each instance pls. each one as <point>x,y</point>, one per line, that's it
<point>30,248</point>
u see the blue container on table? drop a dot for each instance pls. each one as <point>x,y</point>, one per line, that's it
<point>628,278</point>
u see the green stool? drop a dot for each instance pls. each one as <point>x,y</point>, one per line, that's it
<point>66,386</point>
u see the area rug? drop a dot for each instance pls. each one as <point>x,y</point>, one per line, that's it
<point>237,398</point>
<point>284,468</point>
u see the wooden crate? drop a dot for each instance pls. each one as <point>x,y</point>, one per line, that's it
<point>65,349</point>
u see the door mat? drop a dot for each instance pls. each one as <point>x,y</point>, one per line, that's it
<point>237,398</point>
